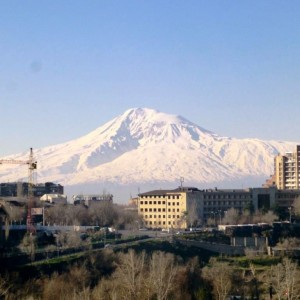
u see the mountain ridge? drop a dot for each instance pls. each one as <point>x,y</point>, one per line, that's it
<point>144,145</point>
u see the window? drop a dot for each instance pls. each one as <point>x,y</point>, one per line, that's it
<point>154,209</point>
<point>141,202</point>
<point>141,209</point>
<point>178,216</point>
<point>173,209</point>
<point>150,209</point>
<point>159,209</point>
<point>164,202</point>
<point>159,202</point>
<point>146,209</point>
<point>150,202</point>
<point>154,202</point>
<point>169,209</point>
<point>146,202</point>
<point>177,209</point>
<point>177,203</point>
<point>164,210</point>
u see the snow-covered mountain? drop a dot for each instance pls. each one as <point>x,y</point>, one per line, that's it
<point>143,145</point>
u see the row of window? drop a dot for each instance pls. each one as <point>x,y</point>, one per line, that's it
<point>161,216</point>
<point>209,209</point>
<point>162,196</point>
<point>215,203</point>
<point>162,223</point>
<point>158,209</point>
<point>159,203</point>
<point>227,196</point>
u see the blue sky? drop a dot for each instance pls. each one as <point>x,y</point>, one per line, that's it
<point>67,67</point>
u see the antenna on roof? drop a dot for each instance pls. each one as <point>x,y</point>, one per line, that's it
<point>181,181</point>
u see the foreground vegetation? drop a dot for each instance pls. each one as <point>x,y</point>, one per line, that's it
<point>153,270</point>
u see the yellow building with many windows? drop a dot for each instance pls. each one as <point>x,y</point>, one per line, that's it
<point>166,208</point>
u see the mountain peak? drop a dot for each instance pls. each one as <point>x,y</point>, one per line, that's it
<point>145,145</point>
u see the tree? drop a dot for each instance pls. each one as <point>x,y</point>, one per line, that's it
<point>296,207</point>
<point>28,245</point>
<point>285,279</point>
<point>267,217</point>
<point>219,274</point>
<point>162,271</point>
<point>231,217</point>
<point>4,286</point>
<point>130,275</point>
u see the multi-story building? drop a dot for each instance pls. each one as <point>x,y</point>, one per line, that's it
<point>287,176</point>
<point>20,189</point>
<point>181,207</point>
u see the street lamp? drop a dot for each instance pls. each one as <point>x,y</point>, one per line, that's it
<point>212,212</point>
<point>290,211</point>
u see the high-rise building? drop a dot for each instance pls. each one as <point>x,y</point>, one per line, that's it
<point>287,176</point>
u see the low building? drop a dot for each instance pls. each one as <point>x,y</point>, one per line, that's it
<point>91,198</point>
<point>54,198</point>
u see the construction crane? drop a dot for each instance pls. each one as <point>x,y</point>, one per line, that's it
<point>32,165</point>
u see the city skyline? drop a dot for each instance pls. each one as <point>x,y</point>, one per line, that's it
<point>69,67</point>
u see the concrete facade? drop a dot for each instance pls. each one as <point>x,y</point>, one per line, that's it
<point>287,167</point>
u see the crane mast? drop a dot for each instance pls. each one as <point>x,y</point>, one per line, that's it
<point>32,165</point>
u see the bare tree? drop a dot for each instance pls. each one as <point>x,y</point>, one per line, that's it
<point>162,271</point>
<point>296,206</point>
<point>28,245</point>
<point>220,276</point>
<point>4,286</point>
<point>232,217</point>
<point>261,217</point>
<point>130,275</point>
<point>285,279</point>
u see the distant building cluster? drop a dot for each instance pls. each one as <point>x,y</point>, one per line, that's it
<point>176,208</point>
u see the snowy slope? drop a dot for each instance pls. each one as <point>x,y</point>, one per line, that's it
<point>143,145</point>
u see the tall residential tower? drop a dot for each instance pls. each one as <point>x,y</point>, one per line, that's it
<point>287,167</point>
